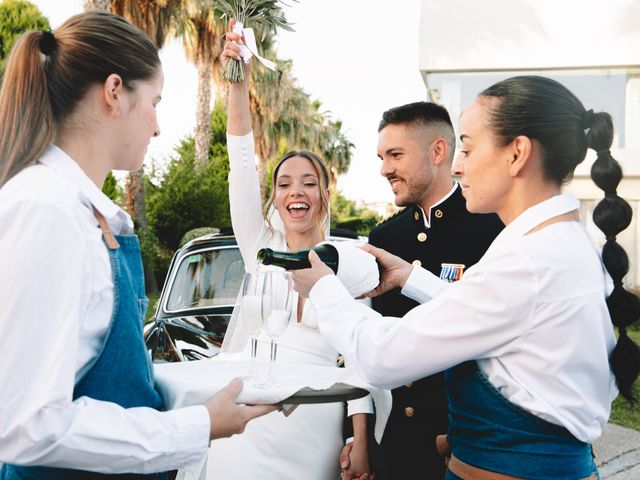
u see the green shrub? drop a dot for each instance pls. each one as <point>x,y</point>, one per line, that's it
<point>346,214</point>
<point>111,188</point>
<point>186,196</point>
<point>360,224</point>
<point>17,17</point>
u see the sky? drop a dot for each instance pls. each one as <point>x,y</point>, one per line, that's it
<point>357,57</point>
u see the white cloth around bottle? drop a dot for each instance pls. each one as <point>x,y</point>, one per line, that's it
<point>357,269</point>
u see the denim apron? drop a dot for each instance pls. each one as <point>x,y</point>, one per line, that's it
<point>489,432</point>
<point>121,372</point>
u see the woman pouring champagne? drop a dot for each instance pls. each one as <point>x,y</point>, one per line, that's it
<point>531,359</point>
<point>77,396</point>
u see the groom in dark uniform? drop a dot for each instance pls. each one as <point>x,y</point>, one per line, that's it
<point>416,145</point>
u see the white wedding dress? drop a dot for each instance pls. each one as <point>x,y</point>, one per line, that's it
<point>307,443</point>
<point>304,445</point>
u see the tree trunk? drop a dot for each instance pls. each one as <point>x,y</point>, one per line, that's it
<point>134,186</point>
<point>203,112</point>
<point>135,205</point>
<point>96,5</point>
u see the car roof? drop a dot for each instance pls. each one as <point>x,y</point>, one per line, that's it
<point>226,238</point>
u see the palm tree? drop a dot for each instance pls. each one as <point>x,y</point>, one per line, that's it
<point>283,112</point>
<point>95,5</point>
<point>156,18</point>
<point>266,92</point>
<point>336,149</point>
<point>202,33</point>
<point>279,112</point>
<point>327,138</point>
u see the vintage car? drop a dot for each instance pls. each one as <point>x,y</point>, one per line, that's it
<point>198,297</point>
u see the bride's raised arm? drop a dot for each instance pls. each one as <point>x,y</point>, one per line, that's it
<point>244,190</point>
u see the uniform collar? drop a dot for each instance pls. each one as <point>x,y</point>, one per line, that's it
<point>90,195</point>
<point>427,223</point>
<point>537,214</point>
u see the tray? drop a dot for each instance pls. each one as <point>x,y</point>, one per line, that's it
<point>339,392</point>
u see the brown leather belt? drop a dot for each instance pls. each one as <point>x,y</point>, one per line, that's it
<point>469,472</point>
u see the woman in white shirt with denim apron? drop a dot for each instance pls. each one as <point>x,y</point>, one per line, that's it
<point>77,399</point>
<point>526,336</point>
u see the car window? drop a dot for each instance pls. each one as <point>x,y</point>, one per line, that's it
<point>206,278</point>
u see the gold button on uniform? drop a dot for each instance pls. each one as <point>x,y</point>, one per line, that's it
<point>408,412</point>
<point>422,237</point>
<point>416,215</point>
<point>416,263</point>
<point>439,213</point>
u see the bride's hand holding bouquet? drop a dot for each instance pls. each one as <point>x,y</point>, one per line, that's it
<point>232,51</point>
<point>266,16</point>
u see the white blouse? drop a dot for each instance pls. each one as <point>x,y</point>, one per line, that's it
<point>56,297</point>
<point>532,311</point>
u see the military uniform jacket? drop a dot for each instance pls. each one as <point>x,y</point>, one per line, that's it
<point>419,411</point>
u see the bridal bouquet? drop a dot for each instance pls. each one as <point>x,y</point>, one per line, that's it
<point>264,14</point>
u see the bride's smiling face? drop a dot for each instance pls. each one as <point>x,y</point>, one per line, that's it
<point>298,197</point>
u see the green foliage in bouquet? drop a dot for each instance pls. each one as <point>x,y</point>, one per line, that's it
<point>262,15</point>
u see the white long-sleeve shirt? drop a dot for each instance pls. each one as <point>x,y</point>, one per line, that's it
<point>532,312</point>
<point>56,298</point>
<point>251,231</point>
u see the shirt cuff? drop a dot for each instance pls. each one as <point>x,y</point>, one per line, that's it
<point>360,405</point>
<point>422,285</point>
<point>192,432</point>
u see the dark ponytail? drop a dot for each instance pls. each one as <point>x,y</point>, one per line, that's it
<point>612,215</point>
<point>545,110</point>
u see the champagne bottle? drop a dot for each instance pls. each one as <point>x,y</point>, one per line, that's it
<point>299,259</point>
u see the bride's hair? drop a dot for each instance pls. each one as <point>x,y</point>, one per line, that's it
<point>323,177</point>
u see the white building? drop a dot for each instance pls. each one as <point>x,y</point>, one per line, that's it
<point>591,46</point>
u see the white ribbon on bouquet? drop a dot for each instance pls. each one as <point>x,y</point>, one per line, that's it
<point>250,48</point>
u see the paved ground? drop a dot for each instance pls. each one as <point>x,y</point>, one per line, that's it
<point>618,453</point>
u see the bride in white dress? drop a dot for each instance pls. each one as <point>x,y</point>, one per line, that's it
<point>306,444</point>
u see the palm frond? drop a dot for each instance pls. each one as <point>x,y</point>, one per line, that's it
<point>266,16</point>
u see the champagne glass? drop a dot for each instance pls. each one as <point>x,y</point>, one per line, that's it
<point>280,292</point>
<point>256,307</point>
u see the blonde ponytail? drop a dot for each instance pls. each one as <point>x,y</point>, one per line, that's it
<point>48,74</point>
<point>26,119</point>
